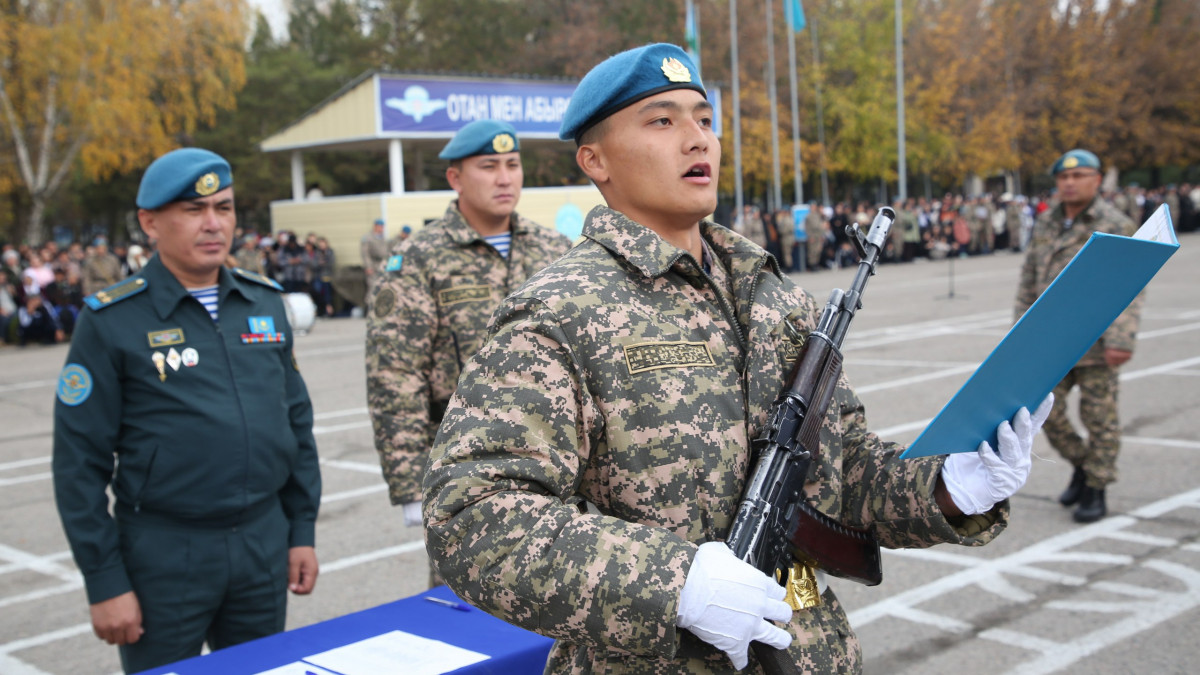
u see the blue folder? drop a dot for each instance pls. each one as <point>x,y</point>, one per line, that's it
<point>1050,338</point>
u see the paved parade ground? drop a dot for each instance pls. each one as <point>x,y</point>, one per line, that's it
<point>1118,596</point>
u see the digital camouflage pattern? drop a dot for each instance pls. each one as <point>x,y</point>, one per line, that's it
<point>1097,454</point>
<point>602,434</point>
<point>428,318</point>
<point>1052,246</point>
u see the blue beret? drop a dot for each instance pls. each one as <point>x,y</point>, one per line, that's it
<point>482,137</point>
<point>182,174</point>
<point>627,78</point>
<point>1076,159</point>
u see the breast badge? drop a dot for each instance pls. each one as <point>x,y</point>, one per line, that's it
<point>190,357</point>
<point>160,363</point>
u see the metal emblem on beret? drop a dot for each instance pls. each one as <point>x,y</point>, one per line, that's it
<point>503,143</point>
<point>207,184</point>
<point>1070,162</point>
<point>675,70</point>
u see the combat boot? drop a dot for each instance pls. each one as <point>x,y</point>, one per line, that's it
<point>1071,495</point>
<point>1091,505</point>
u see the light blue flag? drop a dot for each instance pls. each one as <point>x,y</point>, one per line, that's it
<point>794,12</point>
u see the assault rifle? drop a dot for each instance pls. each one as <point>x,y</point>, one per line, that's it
<point>775,527</point>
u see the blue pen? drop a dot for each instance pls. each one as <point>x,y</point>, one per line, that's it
<point>446,603</point>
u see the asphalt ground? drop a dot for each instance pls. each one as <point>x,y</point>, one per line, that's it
<point>1117,596</point>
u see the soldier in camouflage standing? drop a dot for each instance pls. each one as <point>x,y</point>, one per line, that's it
<point>427,310</point>
<point>1058,235</point>
<point>595,451</point>
<point>101,269</point>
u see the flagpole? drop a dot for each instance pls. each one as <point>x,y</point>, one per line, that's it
<point>820,114</point>
<point>901,169</point>
<point>798,193</point>
<point>737,111</point>
<point>692,33</point>
<point>773,97</point>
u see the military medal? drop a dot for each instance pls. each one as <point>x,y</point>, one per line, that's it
<point>160,362</point>
<point>173,359</point>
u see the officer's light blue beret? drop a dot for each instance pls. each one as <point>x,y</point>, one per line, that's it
<point>1076,159</point>
<point>182,174</point>
<point>627,78</point>
<point>482,137</point>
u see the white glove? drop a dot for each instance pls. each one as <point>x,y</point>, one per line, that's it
<point>978,481</point>
<point>412,514</point>
<point>725,601</point>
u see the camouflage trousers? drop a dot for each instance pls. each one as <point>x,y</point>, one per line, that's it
<point>1097,454</point>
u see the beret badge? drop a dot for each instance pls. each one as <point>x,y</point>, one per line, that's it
<point>503,143</point>
<point>1070,163</point>
<point>675,70</point>
<point>207,184</point>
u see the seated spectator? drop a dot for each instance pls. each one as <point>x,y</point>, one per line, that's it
<point>37,322</point>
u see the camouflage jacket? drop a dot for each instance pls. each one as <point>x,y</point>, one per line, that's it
<point>100,272</point>
<point>427,314</point>
<point>1050,249</point>
<point>602,434</point>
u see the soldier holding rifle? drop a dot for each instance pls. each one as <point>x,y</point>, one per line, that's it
<point>593,457</point>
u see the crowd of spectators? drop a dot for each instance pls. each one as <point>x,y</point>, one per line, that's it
<point>934,229</point>
<point>42,287</point>
<point>299,266</point>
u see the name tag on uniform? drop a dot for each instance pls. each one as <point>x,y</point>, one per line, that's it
<point>645,356</point>
<point>453,296</point>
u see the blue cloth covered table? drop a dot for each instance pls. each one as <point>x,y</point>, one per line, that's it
<point>513,651</point>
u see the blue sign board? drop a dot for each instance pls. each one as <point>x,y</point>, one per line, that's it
<point>799,215</point>
<point>438,107</point>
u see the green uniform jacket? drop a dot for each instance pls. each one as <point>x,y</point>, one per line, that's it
<point>1053,245</point>
<point>212,440</point>
<point>603,432</point>
<point>427,315</point>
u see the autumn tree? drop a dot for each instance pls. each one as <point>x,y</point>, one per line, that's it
<point>103,87</point>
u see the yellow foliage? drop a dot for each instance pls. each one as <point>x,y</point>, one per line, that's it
<point>120,79</point>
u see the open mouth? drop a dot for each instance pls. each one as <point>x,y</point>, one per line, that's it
<point>698,171</point>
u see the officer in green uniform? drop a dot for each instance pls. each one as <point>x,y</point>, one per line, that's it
<point>182,394</point>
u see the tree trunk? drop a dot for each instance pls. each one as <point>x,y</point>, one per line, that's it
<point>35,231</point>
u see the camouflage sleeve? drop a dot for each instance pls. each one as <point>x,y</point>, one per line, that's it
<point>401,320</point>
<point>1027,291</point>
<point>896,496</point>
<point>504,526</point>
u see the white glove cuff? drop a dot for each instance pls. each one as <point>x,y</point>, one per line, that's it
<point>957,481</point>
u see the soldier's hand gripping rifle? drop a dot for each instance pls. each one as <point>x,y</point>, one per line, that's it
<point>775,528</point>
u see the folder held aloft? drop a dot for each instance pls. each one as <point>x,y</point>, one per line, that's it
<point>1050,338</point>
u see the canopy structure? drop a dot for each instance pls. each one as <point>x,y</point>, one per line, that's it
<point>412,117</point>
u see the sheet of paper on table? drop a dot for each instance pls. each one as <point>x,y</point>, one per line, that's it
<point>395,652</point>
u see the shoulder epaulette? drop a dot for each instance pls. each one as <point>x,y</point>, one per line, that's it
<point>257,278</point>
<point>116,293</point>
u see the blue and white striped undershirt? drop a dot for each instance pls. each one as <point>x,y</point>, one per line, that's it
<point>207,297</point>
<point>500,242</point>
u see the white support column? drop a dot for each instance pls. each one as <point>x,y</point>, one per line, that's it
<point>396,166</point>
<point>297,176</point>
